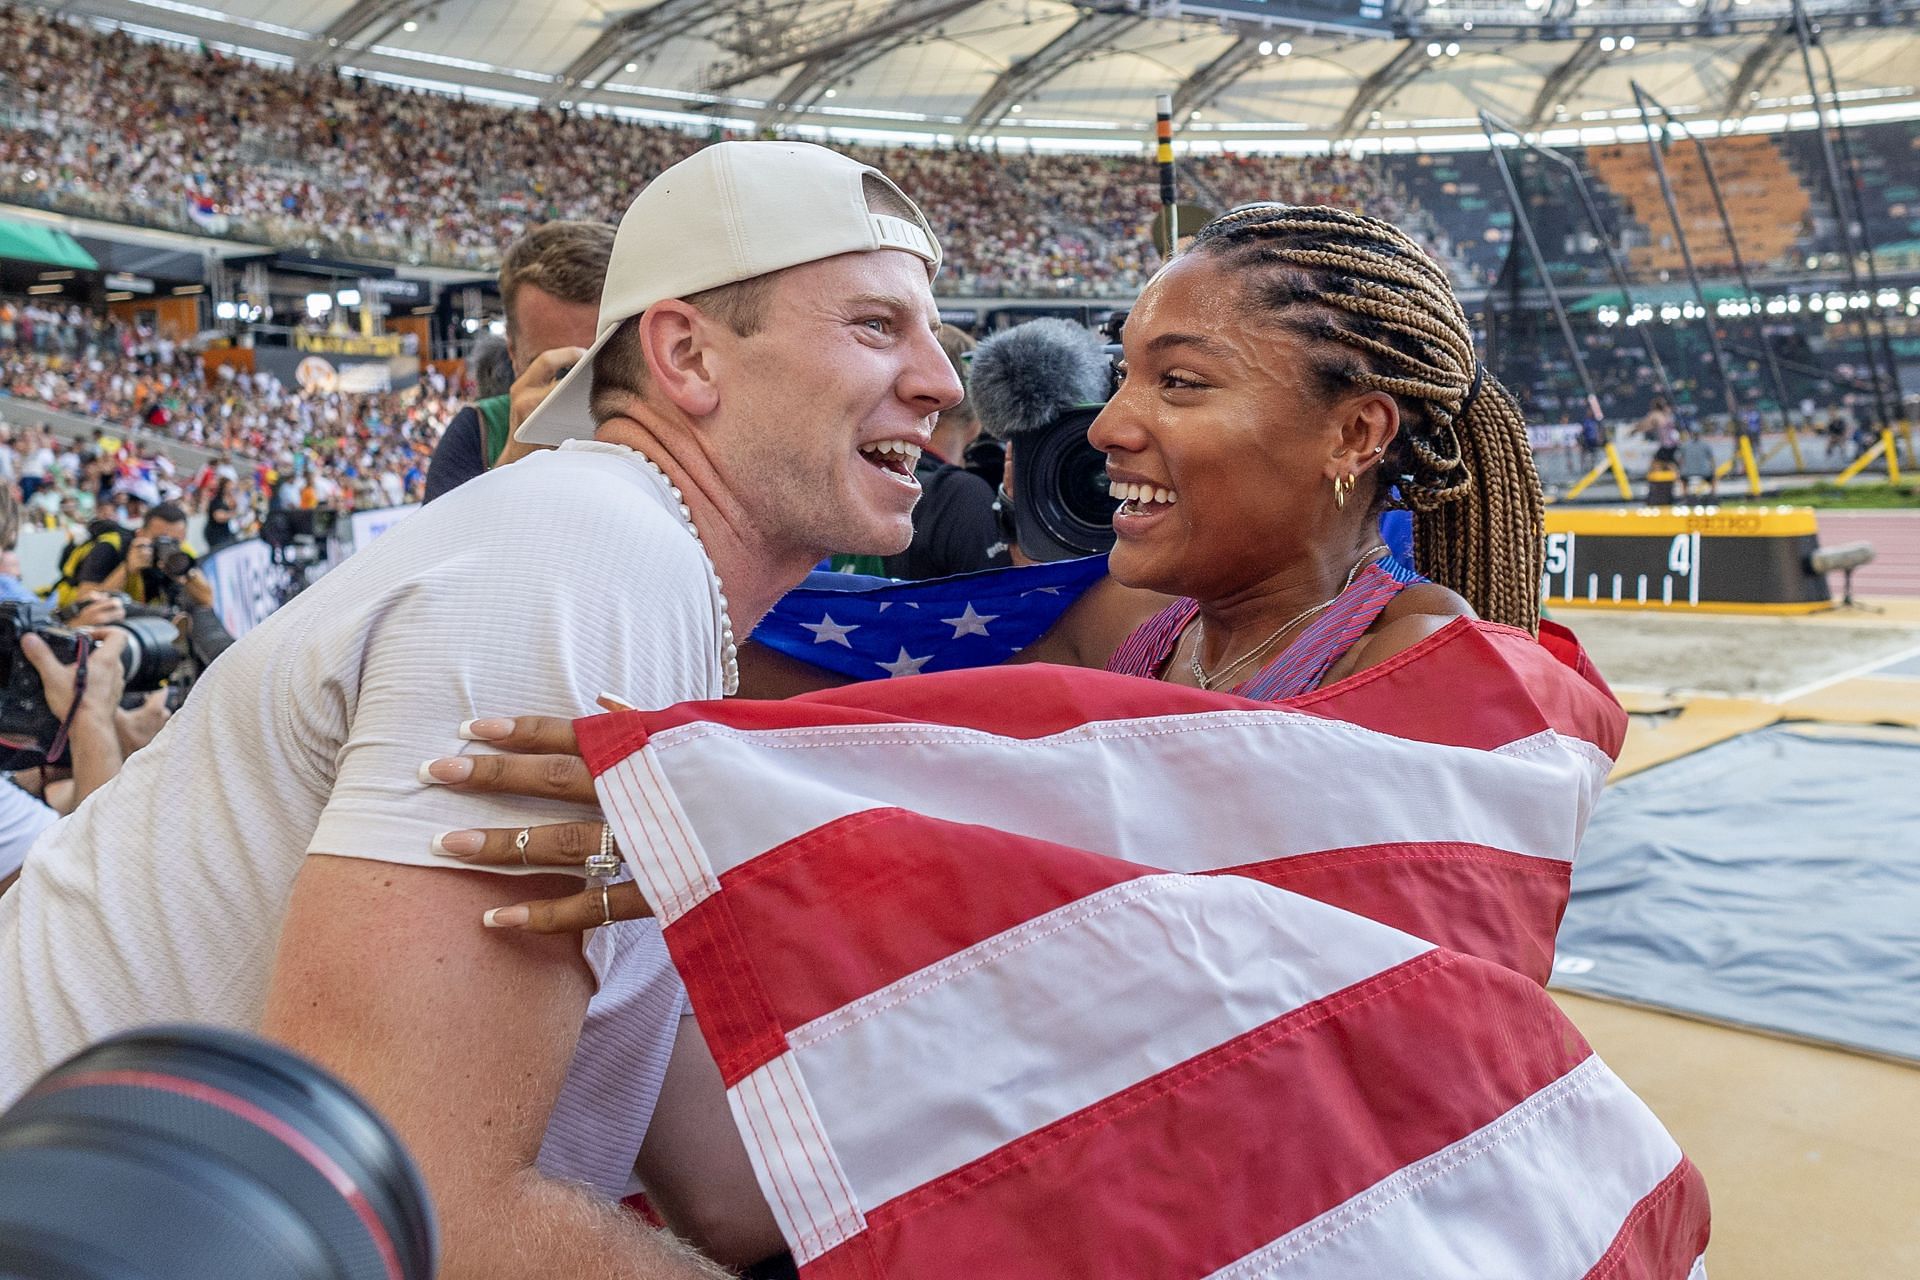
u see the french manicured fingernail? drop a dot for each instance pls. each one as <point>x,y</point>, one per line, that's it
<point>459,844</point>
<point>616,700</point>
<point>450,769</point>
<point>490,729</point>
<point>505,918</point>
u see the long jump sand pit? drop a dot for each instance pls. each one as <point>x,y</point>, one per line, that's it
<point>1736,656</point>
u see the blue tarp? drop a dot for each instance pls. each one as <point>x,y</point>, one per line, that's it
<point>1772,881</point>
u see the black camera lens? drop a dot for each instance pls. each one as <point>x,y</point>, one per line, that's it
<point>152,652</point>
<point>178,1153</point>
<point>1063,509</point>
<point>177,564</point>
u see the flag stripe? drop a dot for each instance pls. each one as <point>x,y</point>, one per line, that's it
<point>1499,906</point>
<point>1498,1175</point>
<point>1197,1167</point>
<point>868,899</point>
<point>711,953</point>
<point>1664,1233</point>
<point>1170,812</point>
<point>1071,1022</point>
<point>796,1167</point>
<point>655,837</point>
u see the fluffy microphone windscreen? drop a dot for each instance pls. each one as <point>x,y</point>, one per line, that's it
<point>1026,377</point>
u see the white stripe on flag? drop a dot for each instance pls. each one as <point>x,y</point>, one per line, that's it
<point>1055,1014</point>
<point>795,1166</point>
<point>669,863</point>
<point>1541,1192</point>
<point>1172,810</point>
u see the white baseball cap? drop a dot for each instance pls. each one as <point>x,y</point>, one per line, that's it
<point>729,212</point>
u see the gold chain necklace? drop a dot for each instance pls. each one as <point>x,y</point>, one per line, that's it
<point>1200,640</point>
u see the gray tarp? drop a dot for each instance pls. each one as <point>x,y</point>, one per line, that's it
<point>1772,880</point>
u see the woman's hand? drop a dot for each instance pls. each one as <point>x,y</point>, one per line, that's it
<point>544,761</point>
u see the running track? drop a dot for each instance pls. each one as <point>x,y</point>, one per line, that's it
<point>1895,536</point>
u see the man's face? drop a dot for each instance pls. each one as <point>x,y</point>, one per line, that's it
<point>175,529</point>
<point>823,412</point>
<point>540,322</point>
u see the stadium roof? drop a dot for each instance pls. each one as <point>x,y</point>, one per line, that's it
<point>1244,72</point>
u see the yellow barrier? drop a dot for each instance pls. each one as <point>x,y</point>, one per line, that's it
<point>1610,463</point>
<point>1882,448</point>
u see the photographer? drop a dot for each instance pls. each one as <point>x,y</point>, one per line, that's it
<point>94,741</point>
<point>954,526</point>
<point>550,287</point>
<point>147,567</point>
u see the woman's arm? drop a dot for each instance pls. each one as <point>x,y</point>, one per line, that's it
<point>1095,626</point>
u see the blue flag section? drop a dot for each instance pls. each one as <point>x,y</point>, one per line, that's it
<point>870,628</point>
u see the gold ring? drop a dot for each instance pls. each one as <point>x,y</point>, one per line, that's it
<point>606,907</point>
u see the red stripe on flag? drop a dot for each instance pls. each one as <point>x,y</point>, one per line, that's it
<point>1475,685</point>
<point>1200,1165</point>
<point>1518,689</point>
<point>865,900</point>
<point>1499,906</point>
<point>1666,1231</point>
<point>728,997</point>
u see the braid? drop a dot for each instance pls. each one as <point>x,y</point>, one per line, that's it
<point>1462,461</point>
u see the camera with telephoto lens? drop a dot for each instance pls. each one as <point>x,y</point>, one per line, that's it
<point>170,560</point>
<point>182,1153</point>
<point>1063,508</point>
<point>27,724</point>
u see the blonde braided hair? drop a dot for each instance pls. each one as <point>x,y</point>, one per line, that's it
<point>1461,461</point>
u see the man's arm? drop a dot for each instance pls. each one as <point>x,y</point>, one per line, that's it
<point>104,569</point>
<point>459,1036</point>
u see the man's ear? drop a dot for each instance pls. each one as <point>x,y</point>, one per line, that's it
<point>675,342</point>
<point>1368,424</point>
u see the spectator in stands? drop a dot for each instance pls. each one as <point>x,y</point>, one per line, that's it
<point>550,288</point>
<point>954,528</point>
<point>738,414</point>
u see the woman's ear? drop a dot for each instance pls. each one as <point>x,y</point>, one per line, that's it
<point>1368,424</point>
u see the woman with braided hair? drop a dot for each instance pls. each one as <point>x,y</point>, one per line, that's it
<point>1296,372</point>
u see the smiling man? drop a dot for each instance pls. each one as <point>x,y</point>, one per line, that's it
<point>763,373</point>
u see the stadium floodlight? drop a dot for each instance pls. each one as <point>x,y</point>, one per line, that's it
<point>1626,43</point>
<point>226,310</point>
<point>1453,49</point>
<point>318,304</point>
<point>349,297</point>
<point>1606,44</point>
<point>1284,48</point>
<point>409,26</point>
<point>1433,50</point>
<point>1266,48</point>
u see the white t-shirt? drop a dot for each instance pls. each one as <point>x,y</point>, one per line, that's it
<point>22,819</point>
<point>530,590</point>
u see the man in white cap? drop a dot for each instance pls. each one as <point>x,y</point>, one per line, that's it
<point>764,374</point>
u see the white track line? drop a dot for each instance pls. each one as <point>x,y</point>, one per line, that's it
<point>1864,669</point>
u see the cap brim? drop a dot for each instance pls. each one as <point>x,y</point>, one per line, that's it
<point>567,412</point>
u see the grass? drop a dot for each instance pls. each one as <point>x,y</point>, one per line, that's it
<point>1857,496</point>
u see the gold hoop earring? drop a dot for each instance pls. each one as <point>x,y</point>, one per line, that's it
<point>1342,486</point>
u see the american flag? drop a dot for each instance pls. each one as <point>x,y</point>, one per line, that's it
<point>1043,972</point>
<point>876,629</point>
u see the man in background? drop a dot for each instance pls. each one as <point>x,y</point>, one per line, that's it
<point>954,529</point>
<point>550,287</point>
<point>111,561</point>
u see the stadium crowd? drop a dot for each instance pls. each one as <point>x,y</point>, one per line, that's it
<point>273,446</point>
<point>97,122</point>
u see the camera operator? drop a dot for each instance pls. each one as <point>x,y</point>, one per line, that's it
<point>550,285</point>
<point>954,528</point>
<point>100,735</point>
<point>149,568</point>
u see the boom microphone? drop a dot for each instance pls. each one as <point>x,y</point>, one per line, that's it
<point>1023,380</point>
<point>1039,386</point>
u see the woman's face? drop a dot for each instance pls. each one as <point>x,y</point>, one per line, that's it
<point>1221,408</point>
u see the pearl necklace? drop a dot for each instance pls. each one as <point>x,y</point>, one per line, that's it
<point>1200,638</point>
<point>729,651</point>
